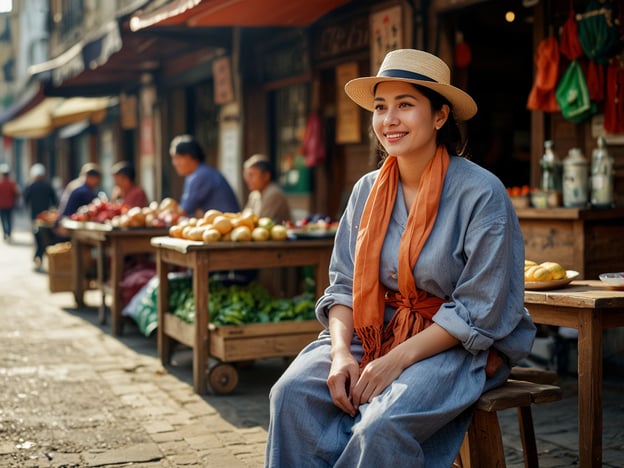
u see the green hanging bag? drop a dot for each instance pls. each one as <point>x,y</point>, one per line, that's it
<point>572,95</point>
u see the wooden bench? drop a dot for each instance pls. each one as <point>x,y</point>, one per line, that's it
<point>483,443</point>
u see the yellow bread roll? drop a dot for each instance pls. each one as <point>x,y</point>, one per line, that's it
<point>537,273</point>
<point>556,270</point>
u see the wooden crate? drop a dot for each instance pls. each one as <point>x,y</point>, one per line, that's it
<point>234,343</point>
<point>60,266</point>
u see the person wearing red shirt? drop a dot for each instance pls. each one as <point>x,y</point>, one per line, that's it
<point>9,194</point>
<point>126,191</point>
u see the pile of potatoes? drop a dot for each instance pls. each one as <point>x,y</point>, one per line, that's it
<point>215,226</point>
<point>546,271</point>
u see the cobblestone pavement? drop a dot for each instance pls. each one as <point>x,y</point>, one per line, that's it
<point>72,395</point>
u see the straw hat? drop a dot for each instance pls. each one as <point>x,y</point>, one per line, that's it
<point>420,68</point>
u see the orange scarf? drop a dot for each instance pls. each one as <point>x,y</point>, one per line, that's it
<point>415,308</point>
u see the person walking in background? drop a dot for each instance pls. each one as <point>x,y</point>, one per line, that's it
<point>266,198</point>
<point>39,196</point>
<point>425,306</point>
<point>9,196</point>
<point>126,191</point>
<point>204,186</point>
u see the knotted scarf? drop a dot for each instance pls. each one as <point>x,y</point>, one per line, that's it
<point>415,308</point>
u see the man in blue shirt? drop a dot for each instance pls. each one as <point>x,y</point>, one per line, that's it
<point>84,194</point>
<point>204,187</point>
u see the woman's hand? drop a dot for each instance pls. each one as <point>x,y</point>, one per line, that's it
<point>343,374</point>
<point>375,378</point>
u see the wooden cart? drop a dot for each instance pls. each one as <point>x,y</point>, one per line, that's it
<point>231,344</point>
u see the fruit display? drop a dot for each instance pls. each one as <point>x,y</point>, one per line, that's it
<point>313,226</point>
<point>158,215</point>
<point>545,271</point>
<point>518,191</point>
<point>98,211</point>
<point>163,214</point>
<point>48,216</point>
<point>217,226</point>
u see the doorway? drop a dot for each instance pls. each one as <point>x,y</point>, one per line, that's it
<point>499,77</point>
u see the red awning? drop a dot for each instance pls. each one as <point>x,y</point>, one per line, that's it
<point>197,13</point>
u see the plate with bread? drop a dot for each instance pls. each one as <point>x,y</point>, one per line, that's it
<point>546,275</point>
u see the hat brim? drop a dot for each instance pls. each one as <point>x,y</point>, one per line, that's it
<point>362,92</point>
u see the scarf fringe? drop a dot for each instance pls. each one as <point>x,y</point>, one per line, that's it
<point>371,343</point>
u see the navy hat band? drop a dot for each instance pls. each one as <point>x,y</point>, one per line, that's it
<point>404,74</point>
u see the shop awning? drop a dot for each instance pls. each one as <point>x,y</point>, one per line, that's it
<point>89,53</point>
<point>54,112</point>
<point>213,13</point>
<point>108,65</point>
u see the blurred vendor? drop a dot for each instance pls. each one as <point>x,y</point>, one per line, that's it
<point>266,198</point>
<point>74,184</point>
<point>126,191</point>
<point>83,194</point>
<point>204,186</point>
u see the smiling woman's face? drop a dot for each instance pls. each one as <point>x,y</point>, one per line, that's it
<point>403,119</point>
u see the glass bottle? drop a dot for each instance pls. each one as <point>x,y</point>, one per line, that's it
<point>551,169</point>
<point>601,176</point>
<point>575,180</point>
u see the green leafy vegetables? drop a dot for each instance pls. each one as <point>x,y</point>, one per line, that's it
<point>236,304</point>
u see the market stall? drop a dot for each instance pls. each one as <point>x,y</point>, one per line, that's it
<point>110,243</point>
<point>231,344</point>
<point>586,240</point>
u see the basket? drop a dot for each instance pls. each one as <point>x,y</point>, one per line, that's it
<point>60,266</point>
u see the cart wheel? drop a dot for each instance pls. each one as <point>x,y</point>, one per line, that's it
<point>222,378</point>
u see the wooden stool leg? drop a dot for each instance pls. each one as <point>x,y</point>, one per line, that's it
<point>527,435</point>
<point>485,442</point>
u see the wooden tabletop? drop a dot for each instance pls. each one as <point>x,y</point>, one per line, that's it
<point>186,246</point>
<point>111,230</point>
<point>588,214</point>
<point>583,293</point>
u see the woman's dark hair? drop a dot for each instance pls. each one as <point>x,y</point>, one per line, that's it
<point>449,135</point>
<point>186,144</point>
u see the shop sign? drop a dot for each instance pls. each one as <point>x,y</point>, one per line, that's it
<point>221,70</point>
<point>339,39</point>
<point>390,30</point>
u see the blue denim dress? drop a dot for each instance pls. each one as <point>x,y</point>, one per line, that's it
<point>474,258</point>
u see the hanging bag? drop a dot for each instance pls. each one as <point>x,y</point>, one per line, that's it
<point>542,95</point>
<point>573,95</point>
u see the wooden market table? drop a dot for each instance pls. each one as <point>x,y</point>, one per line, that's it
<point>233,343</point>
<point>590,307</point>
<point>112,242</point>
<point>580,239</point>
